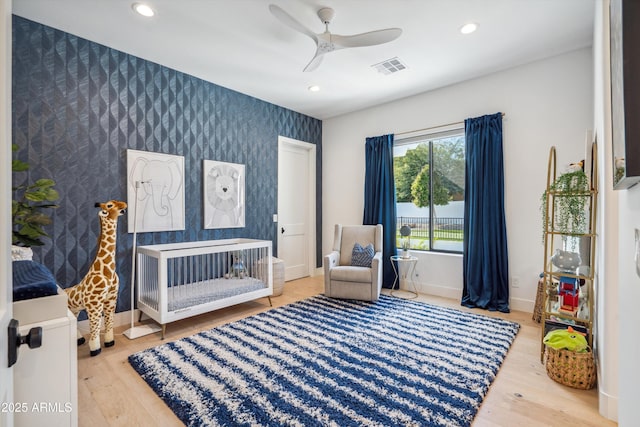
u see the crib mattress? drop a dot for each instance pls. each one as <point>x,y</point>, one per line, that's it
<point>193,294</point>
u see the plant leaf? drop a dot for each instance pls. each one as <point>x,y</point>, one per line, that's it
<point>19,166</point>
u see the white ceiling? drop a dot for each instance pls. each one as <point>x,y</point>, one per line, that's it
<point>238,44</point>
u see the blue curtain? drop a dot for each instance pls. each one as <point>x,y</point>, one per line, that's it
<point>380,198</point>
<point>486,272</point>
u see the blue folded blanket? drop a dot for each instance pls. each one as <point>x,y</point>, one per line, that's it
<point>32,280</point>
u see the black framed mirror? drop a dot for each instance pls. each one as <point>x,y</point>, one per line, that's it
<point>624,16</point>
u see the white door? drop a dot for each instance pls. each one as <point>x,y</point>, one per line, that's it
<point>296,207</point>
<point>6,308</point>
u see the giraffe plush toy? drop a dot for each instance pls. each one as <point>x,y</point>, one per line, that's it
<point>97,292</point>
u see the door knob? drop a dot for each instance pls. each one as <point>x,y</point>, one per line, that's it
<point>33,339</point>
<point>281,230</point>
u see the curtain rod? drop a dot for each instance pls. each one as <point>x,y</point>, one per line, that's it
<point>432,127</point>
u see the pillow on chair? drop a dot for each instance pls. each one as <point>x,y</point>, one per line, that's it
<point>362,256</point>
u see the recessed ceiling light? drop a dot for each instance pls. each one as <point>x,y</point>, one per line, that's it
<point>143,9</point>
<point>469,28</point>
<point>314,88</point>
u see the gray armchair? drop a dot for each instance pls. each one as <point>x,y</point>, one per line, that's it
<point>346,281</point>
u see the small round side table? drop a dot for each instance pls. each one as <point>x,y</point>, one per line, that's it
<point>404,274</point>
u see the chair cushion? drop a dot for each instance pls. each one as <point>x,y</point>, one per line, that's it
<point>351,274</point>
<point>362,256</point>
<point>352,234</point>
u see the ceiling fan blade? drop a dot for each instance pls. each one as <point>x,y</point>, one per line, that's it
<point>367,39</point>
<point>314,63</point>
<point>290,21</point>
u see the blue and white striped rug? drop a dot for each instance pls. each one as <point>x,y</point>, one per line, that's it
<point>323,361</point>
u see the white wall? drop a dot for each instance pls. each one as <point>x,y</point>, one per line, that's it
<point>628,349</point>
<point>546,103</point>
<point>619,291</point>
<point>606,273</point>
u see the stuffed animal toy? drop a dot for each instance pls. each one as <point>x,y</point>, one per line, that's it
<point>223,194</point>
<point>568,339</point>
<point>237,267</point>
<point>566,260</point>
<point>97,292</point>
<point>575,167</point>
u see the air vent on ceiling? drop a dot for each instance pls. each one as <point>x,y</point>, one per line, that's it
<point>390,66</point>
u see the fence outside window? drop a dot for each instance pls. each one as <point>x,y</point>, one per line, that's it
<point>445,229</point>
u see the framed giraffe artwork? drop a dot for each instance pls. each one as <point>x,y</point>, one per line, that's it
<point>155,191</point>
<point>224,194</point>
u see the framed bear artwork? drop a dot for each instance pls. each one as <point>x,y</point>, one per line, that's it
<point>224,194</point>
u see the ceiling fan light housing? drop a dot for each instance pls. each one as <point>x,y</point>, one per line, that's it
<point>327,42</point>
<point>326,14</point>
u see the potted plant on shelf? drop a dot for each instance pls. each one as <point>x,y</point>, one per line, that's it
<point>29,201</point>
<point>571,193</point>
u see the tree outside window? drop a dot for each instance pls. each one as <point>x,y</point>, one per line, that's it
<point>429,178</point>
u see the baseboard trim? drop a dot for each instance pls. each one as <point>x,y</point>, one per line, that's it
<point>518,304</point>
<point>608,406</point>
<point>122,318</point>
<point>439,291</point>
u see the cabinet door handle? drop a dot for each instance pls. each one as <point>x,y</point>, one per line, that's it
<point>281,230</point>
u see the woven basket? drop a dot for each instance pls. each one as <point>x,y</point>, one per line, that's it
<point>537,308</point>
<point>278,276</point>
<point>277,268</point>
<point>569,368</point>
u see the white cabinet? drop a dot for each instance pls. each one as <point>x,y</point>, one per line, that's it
<point>46,378</point>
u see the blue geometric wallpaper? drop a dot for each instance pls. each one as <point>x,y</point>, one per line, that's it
<point>78,106</point>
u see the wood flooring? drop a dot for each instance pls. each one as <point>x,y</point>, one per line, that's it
<point>111,393</point>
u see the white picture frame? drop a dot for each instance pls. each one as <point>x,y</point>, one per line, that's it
<point>223,194</point>
<point>155,192</point>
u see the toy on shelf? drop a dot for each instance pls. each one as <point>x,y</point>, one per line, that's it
<point>566,261</point>
<point>568,293</point>
<point>568,286</point>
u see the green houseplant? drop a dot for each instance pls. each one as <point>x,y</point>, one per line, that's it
<point>29,201</point>
<point>571,193</point>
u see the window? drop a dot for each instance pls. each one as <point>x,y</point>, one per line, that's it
<point>429,177</point>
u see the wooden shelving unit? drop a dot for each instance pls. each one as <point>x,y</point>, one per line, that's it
<point>554,238</point>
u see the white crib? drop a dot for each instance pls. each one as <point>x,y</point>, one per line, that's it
<point>179,280</point>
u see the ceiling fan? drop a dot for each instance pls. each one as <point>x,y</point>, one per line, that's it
<point>327,42</point>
